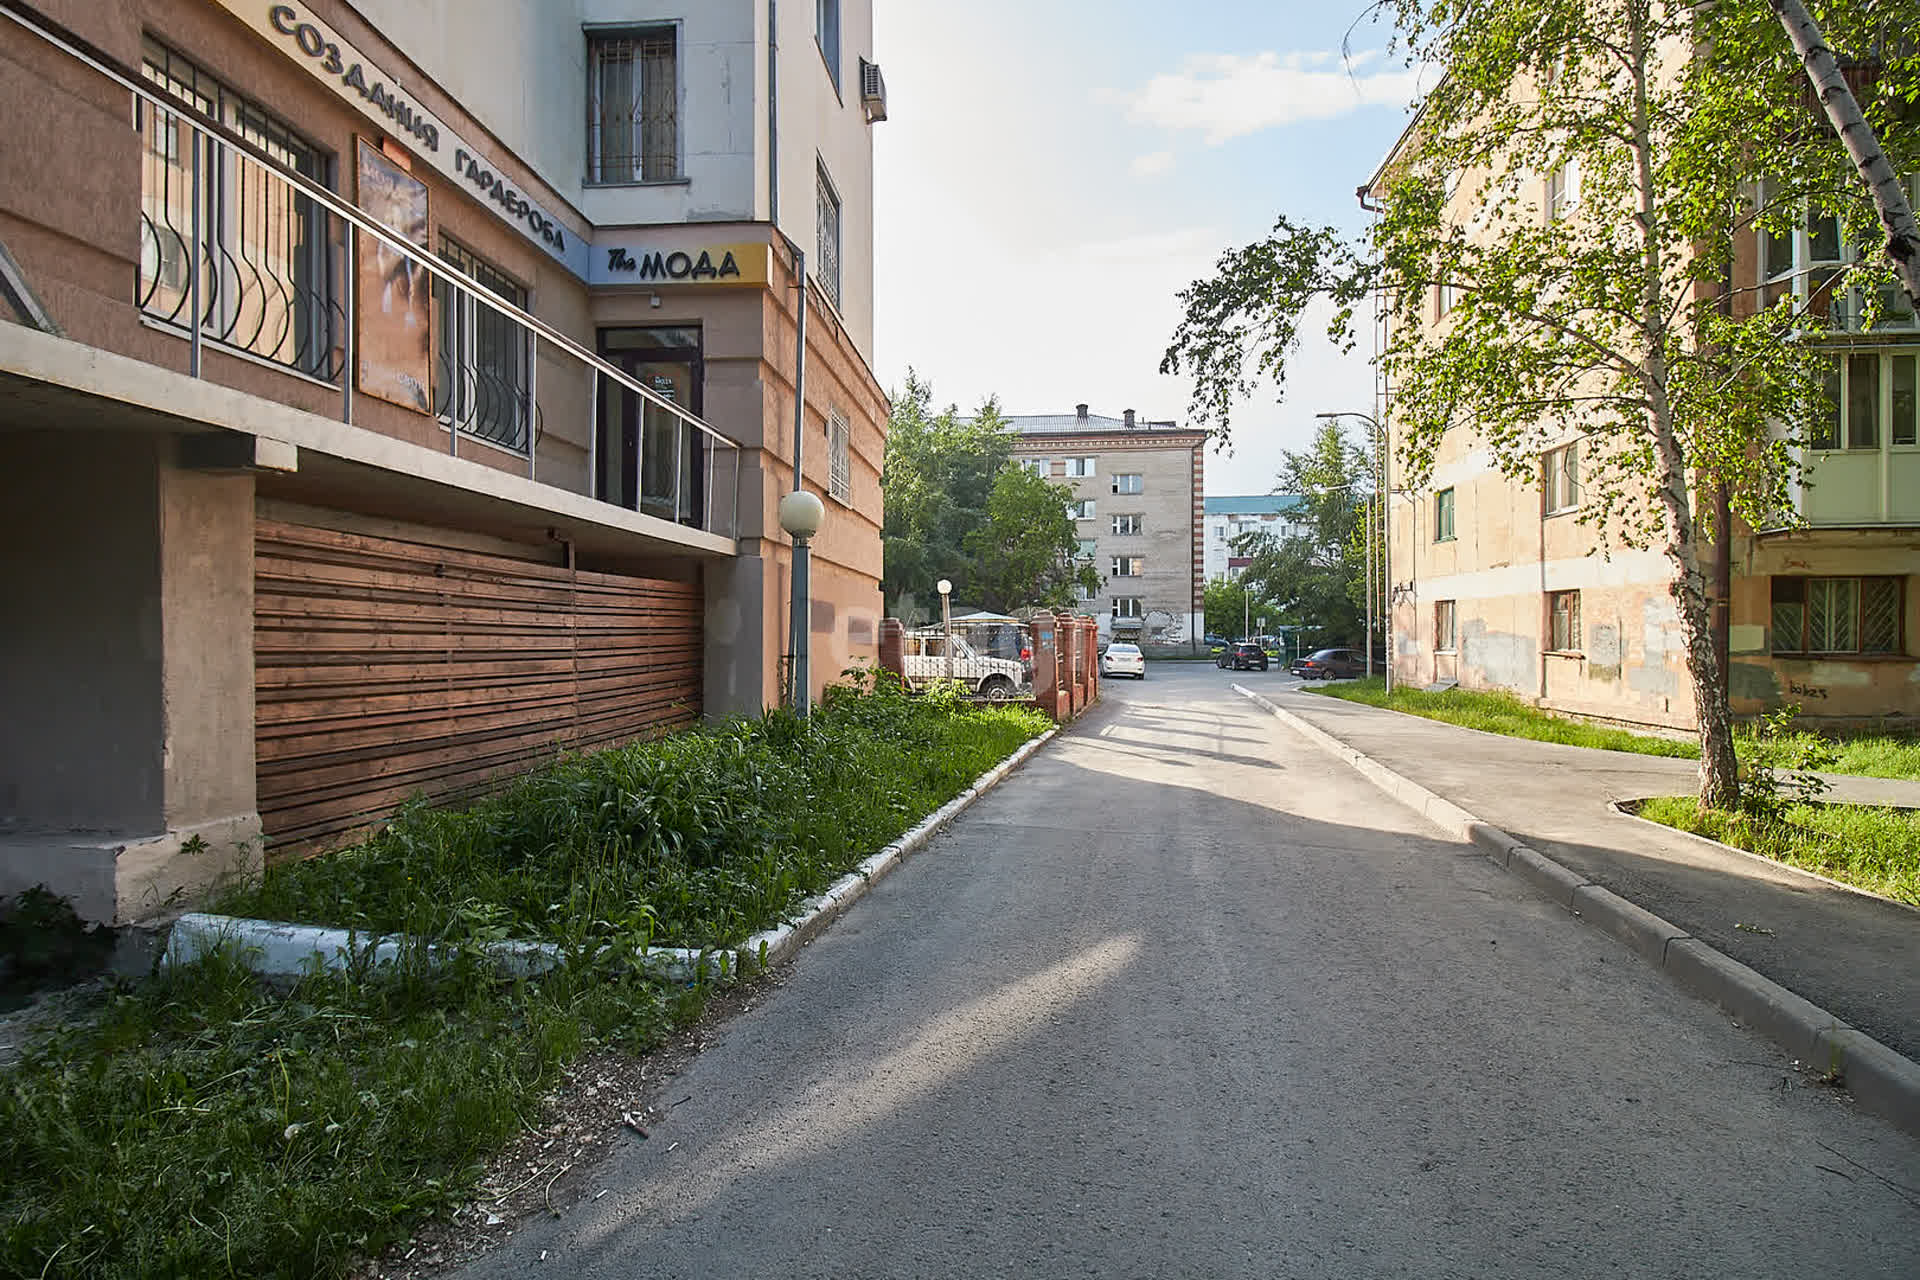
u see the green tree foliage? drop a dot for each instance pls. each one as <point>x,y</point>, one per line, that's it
<point>938,480</point>
<point>1605,320</point>
<point>1234,609</point>
<point>958,508</point>
<point>1027,552</point>
<point>1317,581</point>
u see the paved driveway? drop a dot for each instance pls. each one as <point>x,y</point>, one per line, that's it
<point>1184,997</point>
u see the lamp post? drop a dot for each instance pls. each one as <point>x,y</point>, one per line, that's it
<point>1376,467</point>
<point>800,515</point>
<point>945,588</point>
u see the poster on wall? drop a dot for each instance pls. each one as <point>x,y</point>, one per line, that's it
<point>395,294</point>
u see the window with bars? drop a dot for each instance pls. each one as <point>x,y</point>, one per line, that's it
<point>1127,526</point>
<point>826,264</point>
<point>1129,566</point>
<point>839,457</point>
<point>633,106</point>
<point>482,370</point>
<point>264,259</point>
<point>1560,479</point>
<point>1443,632</point>
<point>1563,621</point>
<point>1836,615</point>
<point>1129,483</point>
<point>1443,516</point>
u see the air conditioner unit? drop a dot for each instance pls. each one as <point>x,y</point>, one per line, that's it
<point>873,91</point>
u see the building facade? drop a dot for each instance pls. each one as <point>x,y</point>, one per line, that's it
<point>1231,517</point>
<point>1497,583</point>
<point>1139,489</point>
<point>397,393</point>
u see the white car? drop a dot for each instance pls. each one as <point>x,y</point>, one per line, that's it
<point>1124,660</point>
<point>928,661</point>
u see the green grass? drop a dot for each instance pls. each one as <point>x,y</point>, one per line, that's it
<point>1870,848</point>
<point>699,839</point>
<point>199,1124</point>
<point>1870,756</point>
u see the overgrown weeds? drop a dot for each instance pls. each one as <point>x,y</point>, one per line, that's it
<point>200,1124</point>
<point>1869,847</point>
<point>1867,755</point>
<point>698,839</point>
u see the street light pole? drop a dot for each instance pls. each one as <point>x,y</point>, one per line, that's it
<point>945,588</point>
<point>800,515</point>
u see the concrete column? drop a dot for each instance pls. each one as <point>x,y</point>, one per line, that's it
<point>893,646</point>
<point>740,598</point>
<point>126,678</point>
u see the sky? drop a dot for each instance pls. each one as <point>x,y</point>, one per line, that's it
<point>1053,172</point>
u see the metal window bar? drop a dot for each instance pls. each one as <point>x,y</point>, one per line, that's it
<point>483,373</point>
<point>827,261</point>
<point>205,129</point>
<point>633,128</point>
<point>260,253</point>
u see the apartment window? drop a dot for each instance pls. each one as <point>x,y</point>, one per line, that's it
<point>1126,607</point>
<point>1443,516</point>
<point>265,263</point>
<point>1560,479</point>
<point>1088,547</point>
<point>826,263</point>
<point>481,374</point>
<point>1081,466</point>
<point>1443,636</point>
<point>633,107</point>
<point>1863,390</point>
<point>1129,566</point>
<point>1807,262</point>
<point>1127,484</point>
<point>1445,295</point>
<point>1081,510</point>
<point>826,34</point>
<point>1563,188</point>
<point>1837,615</point>
<point>1127,526</point>
<point>1039,466</point>
<point>839,458</point>
<point>1563,614</point>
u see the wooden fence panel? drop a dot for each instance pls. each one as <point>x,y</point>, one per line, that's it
<point>385,669</point>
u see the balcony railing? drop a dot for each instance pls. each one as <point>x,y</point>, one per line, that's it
<point>241,251</point>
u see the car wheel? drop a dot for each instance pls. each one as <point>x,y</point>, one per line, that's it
<point>996,688</point>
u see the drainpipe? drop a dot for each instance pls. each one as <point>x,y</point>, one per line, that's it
<point>773,112</point>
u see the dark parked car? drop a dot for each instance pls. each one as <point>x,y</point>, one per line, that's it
<point>1330,664</point>
<point>1244,655</point>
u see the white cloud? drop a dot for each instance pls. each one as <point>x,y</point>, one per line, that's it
<point>1151,165</point>
<point>1229,95</point>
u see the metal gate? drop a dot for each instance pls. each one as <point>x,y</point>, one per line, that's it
<point>385,668</point>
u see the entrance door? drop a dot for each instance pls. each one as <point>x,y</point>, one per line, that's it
<point>649,459</point>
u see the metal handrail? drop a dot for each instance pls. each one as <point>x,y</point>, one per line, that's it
<point>353,216</point>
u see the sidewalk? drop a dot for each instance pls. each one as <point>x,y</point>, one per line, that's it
<point>1855,956</point>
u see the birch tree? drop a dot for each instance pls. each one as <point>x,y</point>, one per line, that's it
<point>1571,196</point>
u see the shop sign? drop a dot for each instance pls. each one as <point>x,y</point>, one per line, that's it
<point>642,258</point>
<point>318,47</point>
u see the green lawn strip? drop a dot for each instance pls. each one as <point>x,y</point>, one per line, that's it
<point>198,1123</point>
<point>1492,711</point>
<point>1866,846</point>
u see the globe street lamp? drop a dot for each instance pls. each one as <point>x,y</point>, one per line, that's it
<point>945,588</point>
<point>801,514</point>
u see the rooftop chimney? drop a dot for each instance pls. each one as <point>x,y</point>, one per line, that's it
<point>1129,417</point>
<point>1080,412</point>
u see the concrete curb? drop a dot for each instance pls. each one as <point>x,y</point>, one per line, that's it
<point>1881,1080</point>
<point>275,949</point>
<point>772,947</point>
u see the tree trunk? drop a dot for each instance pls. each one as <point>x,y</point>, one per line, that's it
<point>1883,185</point>
<point>1719,769</point>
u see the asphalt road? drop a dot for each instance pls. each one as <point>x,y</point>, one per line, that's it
<point>1184,997</point>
